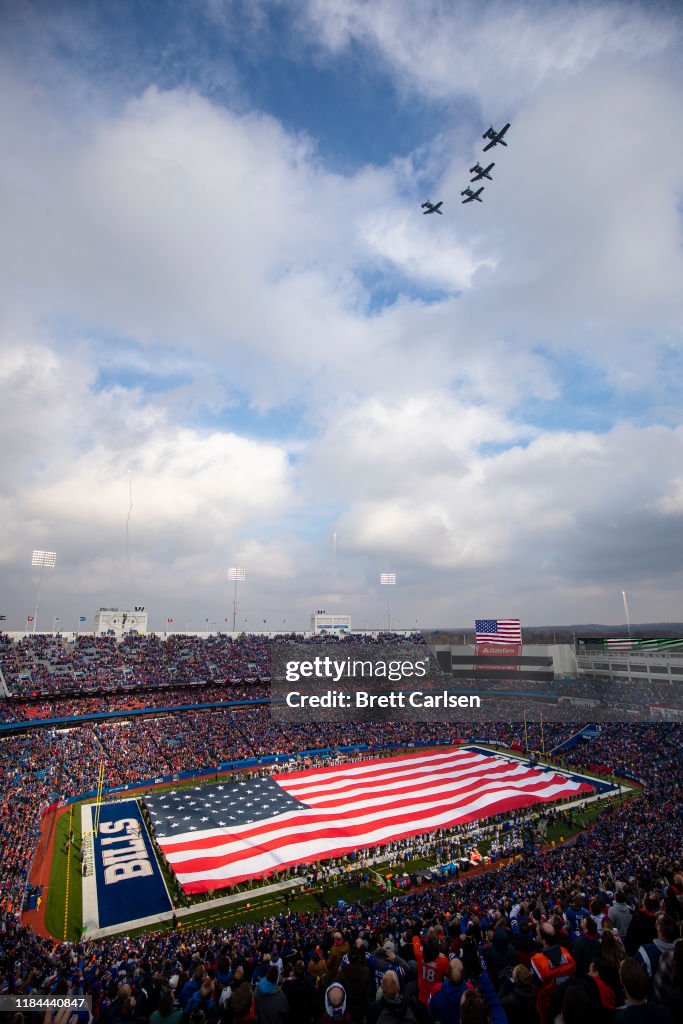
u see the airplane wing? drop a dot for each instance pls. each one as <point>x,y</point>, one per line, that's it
<point>495,137</point>
<point>437,205</point>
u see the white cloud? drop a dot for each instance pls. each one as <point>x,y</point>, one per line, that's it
<point>393,448</point>
<point>223,249</point>
<point>423,254</point>
<point>543,508</point>
<point>74,452</point>
<point>499,52</point>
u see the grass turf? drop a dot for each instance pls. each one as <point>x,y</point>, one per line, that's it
<point>61,922</point>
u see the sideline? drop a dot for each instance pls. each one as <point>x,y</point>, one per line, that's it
<point>42,870</point>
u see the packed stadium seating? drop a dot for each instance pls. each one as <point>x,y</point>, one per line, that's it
<point>631,857</point>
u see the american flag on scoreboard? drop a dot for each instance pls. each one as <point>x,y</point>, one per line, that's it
<point>498,631</point>
<point>215,836</point>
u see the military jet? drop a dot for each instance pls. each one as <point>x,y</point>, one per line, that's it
<point>432,207</point>
<point>496,137</point>
<point>471,196</point>
<point>481,172</point>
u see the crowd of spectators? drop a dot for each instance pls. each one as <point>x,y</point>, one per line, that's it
<point>51,675</point>
<point>574,931</point>
<point>17,709</point>
<point>589,930</point>
<point>45,664</point>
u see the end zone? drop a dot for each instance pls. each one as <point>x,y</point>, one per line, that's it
<point>123,884</point>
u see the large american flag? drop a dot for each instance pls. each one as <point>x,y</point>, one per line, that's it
<point>214,836</point>
<point>498,631</point>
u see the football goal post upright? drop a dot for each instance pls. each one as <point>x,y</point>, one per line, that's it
<point>98,798</point>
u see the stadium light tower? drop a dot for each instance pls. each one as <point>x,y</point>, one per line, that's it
<point>388,579</point>
<point>237,576</point>
<point>46,560</point>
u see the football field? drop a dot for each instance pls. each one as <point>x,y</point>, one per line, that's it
<point>125,877</point>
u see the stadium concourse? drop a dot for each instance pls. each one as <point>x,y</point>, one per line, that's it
<point>551,933</point>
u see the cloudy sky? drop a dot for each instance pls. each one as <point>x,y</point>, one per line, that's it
<point>219,298</point>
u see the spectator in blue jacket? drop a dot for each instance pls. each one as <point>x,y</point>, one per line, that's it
<point>444,1006</point>
<point>201,1000</point>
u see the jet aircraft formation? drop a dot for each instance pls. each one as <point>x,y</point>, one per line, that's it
<point>479,172</point>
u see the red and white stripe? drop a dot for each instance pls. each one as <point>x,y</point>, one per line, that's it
<point>509,631</point>
<point>362,804</point>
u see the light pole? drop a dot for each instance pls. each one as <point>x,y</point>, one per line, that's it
<point>388,579</point>
<point>46,560</point>
<point>237,576</point>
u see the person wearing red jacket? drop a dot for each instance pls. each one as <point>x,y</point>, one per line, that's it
<point>549,967</point>
<point>432,965</point>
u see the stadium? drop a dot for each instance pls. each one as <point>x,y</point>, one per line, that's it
<point>341,512</point>
<point>158,818</point>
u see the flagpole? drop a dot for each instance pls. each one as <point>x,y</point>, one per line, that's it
<point>628,618</point>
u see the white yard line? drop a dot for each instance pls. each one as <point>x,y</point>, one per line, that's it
<point>91,918</point>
